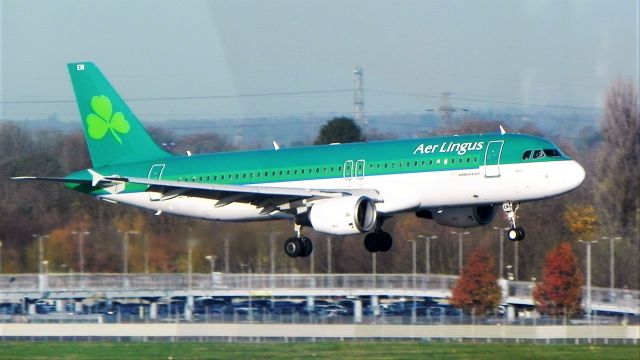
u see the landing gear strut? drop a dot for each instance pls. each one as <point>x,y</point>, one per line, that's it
<point>298,246</point>
<point>514,233</point>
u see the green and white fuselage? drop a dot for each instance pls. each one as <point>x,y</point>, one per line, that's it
<point>400,173</point>
<point>337,189</point>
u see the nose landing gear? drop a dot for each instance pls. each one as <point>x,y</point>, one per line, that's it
<point>515,233</point>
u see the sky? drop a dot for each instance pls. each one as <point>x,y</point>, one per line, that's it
<point>239,56</point>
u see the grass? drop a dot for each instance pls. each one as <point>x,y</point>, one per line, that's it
<point>308,350</point>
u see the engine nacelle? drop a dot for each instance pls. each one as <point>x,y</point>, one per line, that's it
<point>347,215</point>
<point>461,217</point>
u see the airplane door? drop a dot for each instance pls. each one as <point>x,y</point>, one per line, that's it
<point>347,173</point>
<point>155,173</point>
<point>360,166</point>
<point>492,158</point>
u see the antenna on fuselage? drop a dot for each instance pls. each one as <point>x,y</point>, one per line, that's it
<point>502,130</point>
<point>276,147</point>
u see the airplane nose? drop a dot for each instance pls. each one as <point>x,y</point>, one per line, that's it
<point>576,174</point>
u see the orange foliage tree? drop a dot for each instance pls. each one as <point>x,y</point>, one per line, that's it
<point>560,292</point>
<point>477,290</point>
<point>582,221</point>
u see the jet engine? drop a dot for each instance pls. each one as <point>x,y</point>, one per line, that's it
<point>461,217</point>
<point>347,215</point>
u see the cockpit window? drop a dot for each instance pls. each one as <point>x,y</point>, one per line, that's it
<point>552,152</point>
<point>538,154</point>
<point>526,155</point>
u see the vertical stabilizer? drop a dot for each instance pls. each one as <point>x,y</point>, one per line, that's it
<point>114,134</point>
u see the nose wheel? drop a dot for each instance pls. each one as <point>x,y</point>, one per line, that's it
<point>514,233</point>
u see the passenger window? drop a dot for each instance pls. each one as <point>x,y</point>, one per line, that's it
<point>430,162</point>
<point>526,155</point>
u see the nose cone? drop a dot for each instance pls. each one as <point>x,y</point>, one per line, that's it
<point>574,175</point>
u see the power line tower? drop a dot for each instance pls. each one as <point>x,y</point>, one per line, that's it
<point>358,98</point>
<point>446,110</point>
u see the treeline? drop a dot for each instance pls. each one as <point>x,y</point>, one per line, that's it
<point>611,156</point>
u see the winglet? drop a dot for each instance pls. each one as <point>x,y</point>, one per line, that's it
<point>275,145</point>
<point>95,177</point>
<point>502,131</point>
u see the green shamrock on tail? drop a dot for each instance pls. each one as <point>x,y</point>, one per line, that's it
<point>102,119</point>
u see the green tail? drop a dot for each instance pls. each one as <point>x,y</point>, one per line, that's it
<point>114,135</point>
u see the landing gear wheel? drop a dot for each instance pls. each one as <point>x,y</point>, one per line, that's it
<point>378,241</point>
<point>293,247</point>
<point>307,246</point>
<point>385,242</point>
<point>371,242</point>
<point>516,234</point>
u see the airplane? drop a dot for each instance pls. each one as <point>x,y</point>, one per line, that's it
<point>337,189</point>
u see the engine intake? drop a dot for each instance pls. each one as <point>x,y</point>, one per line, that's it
<point>347,215</point>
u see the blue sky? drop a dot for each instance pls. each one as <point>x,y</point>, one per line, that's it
<point>487,53</point>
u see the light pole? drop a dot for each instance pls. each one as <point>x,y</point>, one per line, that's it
<point>612,240</point>
<point>40,250</point>
<point>460,235</point>
<point>413,257</point>
<point>501,266</point>
<point>373,268</point>
<point>125,250</point>
<point>0,257</point>
<point>329,255</point>
<point>81,235</point>
<point>427,252</point>
<point>588,244</point>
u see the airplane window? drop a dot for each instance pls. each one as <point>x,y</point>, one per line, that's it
<point>385,165</point>
<point>552,152</point>
<point>526,155</point>
<point>446,161</point>
<point>399,164</point>
<point>538,154</point>
<point>468,160</point>
<point>295,172</point>
<point>475,159</point>
<point>424,163</point>
<point>393,165</point>
<point>339,168</point>
<point>430,162</point>
<point>208,178</point>
<point>409,163</point>
<point>415,163</point>
<point>438,161</point>
<point>280,172</point>
<point>302,171</point>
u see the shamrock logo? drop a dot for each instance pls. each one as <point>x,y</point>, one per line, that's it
<point>102,119</point>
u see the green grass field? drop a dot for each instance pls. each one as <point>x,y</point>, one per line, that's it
<point>307,350</point>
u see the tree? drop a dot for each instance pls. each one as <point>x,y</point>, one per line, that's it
<point>339,130</point>
<point>582,221</point>
<point>560,292</point>
<point>477,290</point>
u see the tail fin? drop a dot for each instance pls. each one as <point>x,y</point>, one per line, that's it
<point>114,135</point>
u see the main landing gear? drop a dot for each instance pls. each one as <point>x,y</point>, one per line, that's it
<point>378,240</point>
<point>298,246</point>
<point>514,233</point>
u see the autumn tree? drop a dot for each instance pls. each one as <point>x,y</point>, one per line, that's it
<point>477,290</point>
<point>560,292</point>
<point>582,221</point>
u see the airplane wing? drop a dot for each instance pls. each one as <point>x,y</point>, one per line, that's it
<point>269,198</point>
